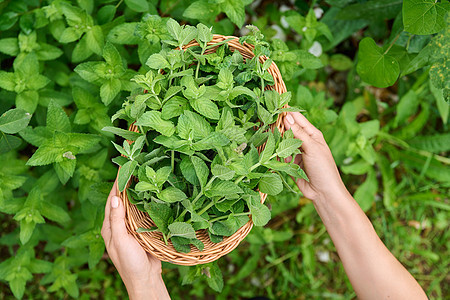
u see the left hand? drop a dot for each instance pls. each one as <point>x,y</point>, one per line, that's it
<point>139,270</point>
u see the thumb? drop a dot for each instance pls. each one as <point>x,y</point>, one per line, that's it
<point>117,217</point>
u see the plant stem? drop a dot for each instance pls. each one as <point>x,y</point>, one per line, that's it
<point>145,135</point>
<point>198,64</point>
<point>172,160</point>
<point>118,4</point>
<point>225,217</point>
<point>392,43</point>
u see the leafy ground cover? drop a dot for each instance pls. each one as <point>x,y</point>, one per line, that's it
<point>370,74</point>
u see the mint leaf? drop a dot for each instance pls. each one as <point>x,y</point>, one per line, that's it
<point>182,229</point>
<point>222,172</point>
<point>191,122</point>
<point>109,90</point>
<point>223,188</point>
<point>57,120</point>
<point>172,195</point>
<point>201,170</point>
<point>125,173</point>
<point>174,107</point>
<point>206,108</point>
<point>126,134</point>
<point>270,184</point>
<point>260,213</point>
<point>153,119</point>
<point>137,5</point>
<point>160,214</point>
<point>234,9</point>
<point>14,120</point>
<point>269,148</point>
<point>287,147</point>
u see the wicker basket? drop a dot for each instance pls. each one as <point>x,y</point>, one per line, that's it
<point>152,241</point>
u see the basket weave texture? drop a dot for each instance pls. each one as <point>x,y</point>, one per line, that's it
<point>152,242</point>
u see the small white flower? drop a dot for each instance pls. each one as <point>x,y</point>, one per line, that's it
<point>318,12</point>
<point>323,256</point>
<point>304,29</point>
<point>316,49</point>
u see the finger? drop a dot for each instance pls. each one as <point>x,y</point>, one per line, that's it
<point>288,159</point>
<point>303,123</point>
<point>298,131</point>
<point>106,230</point>
<point>117,218</point>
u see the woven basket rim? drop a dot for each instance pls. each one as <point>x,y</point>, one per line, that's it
<point>151,241</point>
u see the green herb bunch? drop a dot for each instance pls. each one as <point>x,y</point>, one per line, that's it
<point>201,117</point>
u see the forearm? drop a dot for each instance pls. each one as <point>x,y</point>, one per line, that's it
<point>150,289</point>
<point>373,271</point>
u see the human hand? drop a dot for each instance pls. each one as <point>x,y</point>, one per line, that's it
<point>140,271</point>
<point>316,160</point>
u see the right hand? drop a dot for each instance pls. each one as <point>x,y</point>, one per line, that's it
<point>316,160</point>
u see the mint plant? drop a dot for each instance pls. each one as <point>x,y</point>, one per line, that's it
<point>206,114</point>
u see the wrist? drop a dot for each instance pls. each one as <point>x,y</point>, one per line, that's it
<point>144,288</point>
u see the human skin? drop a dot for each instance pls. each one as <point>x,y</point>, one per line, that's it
<point>140,271</point>
<point>373,271</point>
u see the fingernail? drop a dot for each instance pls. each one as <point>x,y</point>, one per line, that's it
<point>290,119</point>
<point>115,202</point>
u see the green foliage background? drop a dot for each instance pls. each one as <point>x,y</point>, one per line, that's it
<point>372,75</point>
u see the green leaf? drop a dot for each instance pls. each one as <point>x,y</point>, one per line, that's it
<point>206,108</point>
<point>153,119</point>
<point>201,10</point>
<point>57,119</point>
<point>234,9</point>
<point>126,134</point>
<point>123,34</point>
<point>204,33</point>
<point>14,120</point>
<point>201,170</point>
<point>260,213</point>
<point>125,173</point>
<point>95,39</point>
<point>182,229</point>
<point>157,61</point>
<point>7,81</point>
<point>105,14</point>
<point>406,107</point>
<point>287,147</point>
<point>268,149</point>
<point>172,195</point>
<point>365,193</point>
<point>424,16</point>
<point>192,122</point>
<point>9,46</point>
<point>375,66</point>
<point>65,169</point>
<point>160,214</point>
<point>8,143</point>
<point>270,184</point>
<point>222,172</point>
<point>442,105</point>
<point>27,100</point>
<point>109,90</point>
<point>214,277</point>
<point>174,107</point>
<point>137,5</point>
<point>223,188</point>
